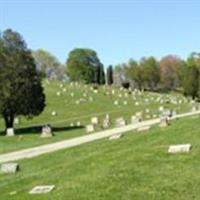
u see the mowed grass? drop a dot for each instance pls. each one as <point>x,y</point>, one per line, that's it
<point>137,166</point>
<point>28,131</point>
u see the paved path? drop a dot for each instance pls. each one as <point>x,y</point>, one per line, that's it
<point>36,151</point>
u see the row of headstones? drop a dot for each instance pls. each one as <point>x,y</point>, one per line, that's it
<point>120,122</point>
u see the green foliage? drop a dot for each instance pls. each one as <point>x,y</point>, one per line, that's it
<point>191,78</point>
<point>21,92</point>
<point>48,64</point>
<point>84,65</point>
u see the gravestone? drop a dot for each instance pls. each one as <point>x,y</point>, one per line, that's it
<point>143,128</point>
<point>106,123</point>
<point>9,167</point>
<point>46,131</point>
<point>78,123</point>
<point>139,115</point>
<point>53,113</point>
<point>134,119</point>
<point>116,136</point>
<point>164,121</point>
<point>94,120</point>
<point>90,128</point>
<point>180,148</point>
<point>42,189</point>
<point>119,122</point>
<point>10,132</point>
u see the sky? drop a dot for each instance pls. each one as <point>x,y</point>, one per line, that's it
<point>116,29</point>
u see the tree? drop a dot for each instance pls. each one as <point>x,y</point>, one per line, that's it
<point>84,65</point>
<point>21,91</point>
<point>48,64</point>
<point>191,80</point>
<point>150,72</point>
<point>170,67</point>
<point>110,75</point>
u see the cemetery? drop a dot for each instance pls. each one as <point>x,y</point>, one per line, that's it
<point>127,152</point>
<point>118,124</point>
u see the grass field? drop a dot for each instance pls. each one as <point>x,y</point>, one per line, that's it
<point>135,167</point>
<point>78,103</point>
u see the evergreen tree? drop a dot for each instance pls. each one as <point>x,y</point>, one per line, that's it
<point>21,91</point>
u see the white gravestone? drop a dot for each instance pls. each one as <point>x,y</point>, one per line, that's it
<point>180,148</point>
<point>10,132</point>
<point>106,123</point>
<point>94,120</point>
<point>41,189</point>
<point>119,122</point>
<point>9,168</point>
<point>164,121</point>
<point>46,131</point>
<point>134,119</point>
<point>90,128</point>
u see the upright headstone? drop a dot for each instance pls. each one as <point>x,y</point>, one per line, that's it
<point>90,128</point>
<point>10,132</point>
<point>119,122</point>
<point>94,120</point>
<point>46,131</point>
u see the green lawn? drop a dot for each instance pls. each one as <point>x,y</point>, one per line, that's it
<point>137,166</point>
<point>70,112</point>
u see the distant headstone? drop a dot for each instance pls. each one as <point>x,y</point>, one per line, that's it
<point>94,120</point>
<point>106,123</point>
<point>54,113</point>
<point>180,148</point>
<point>10,132</point>
<point>164,121</point>
<point>119,122</point>
<point>116,136</point>
<point>134,119</point>
<point>9,167</point>
<point>46,131</point>
<point>41,189</point>
<point>90,128</point>
<point>78,123</point>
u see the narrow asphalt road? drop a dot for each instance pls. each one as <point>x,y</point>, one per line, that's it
<point>48,148</point>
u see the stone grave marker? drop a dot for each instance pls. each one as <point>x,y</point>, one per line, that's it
<point>10,132</point>
<point>94,120</point>
<point>134,119</point>
<point>180,148</point>
<point>46,131</point>
<point>54,113</point>
<point>119,122</point>
<point>42,189</point>
<point>9,168</point>
<point>90,128</point>
<point>106,123</point>
<point>164,121</point>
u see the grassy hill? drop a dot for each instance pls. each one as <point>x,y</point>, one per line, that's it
<point>78,103</point>
<point>137,166</point>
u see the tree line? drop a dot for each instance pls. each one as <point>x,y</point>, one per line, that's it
<point>169,73</point>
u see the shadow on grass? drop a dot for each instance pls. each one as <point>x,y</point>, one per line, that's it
<point>38,130</point>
